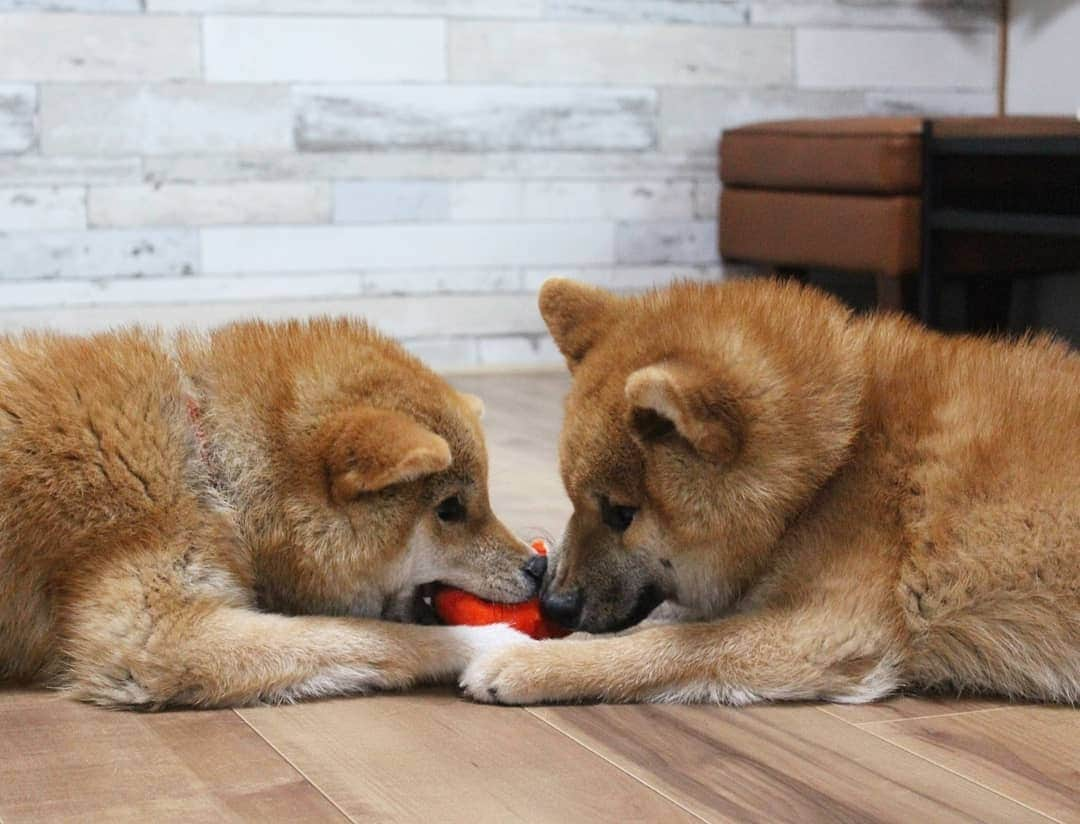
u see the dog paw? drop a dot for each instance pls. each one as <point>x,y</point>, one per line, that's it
<point>477,642</point>
<point>520,674</point>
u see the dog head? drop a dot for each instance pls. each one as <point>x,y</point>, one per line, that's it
<point>419,481</point>
<point>374,482</point>
<point>699,420</point>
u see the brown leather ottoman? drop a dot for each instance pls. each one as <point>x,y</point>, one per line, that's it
<point>862,233</point>
<point>983,199</point>
<point>834,194</point>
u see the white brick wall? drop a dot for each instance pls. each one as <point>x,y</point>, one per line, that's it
<point>474,118</point>
<point>17,105</point>
<point>584,53</point>
<point>140,119</point>
<point>846,58</point>
<point>185,204</point>
<point>381,201</point>
<point>104,254</point>
<point>299,249</point>
<point>571,199</point>
<point>60,48</point>
<point>30,209</point>
<point>1043,43</point>
<point>323,50</point>
<point>427,163</point>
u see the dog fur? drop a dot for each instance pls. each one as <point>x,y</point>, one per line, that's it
<point>216,520</point>
<point>845,506</point>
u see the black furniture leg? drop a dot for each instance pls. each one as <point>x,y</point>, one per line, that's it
<point>988,303</point>
<point>929,296</point>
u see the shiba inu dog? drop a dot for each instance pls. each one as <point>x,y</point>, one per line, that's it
<point>842,506</point>
<point>216,520</point>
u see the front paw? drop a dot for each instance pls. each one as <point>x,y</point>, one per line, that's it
<point>473,643</point>
<point>521,674</point>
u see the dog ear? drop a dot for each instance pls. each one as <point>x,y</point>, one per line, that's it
<point>364,449</point>
<point>474,402</point>
<point>575,314</point>
<point>687,400</point>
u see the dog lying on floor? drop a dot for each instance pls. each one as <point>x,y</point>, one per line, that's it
<point>849,506</point>
<point>173,513</point>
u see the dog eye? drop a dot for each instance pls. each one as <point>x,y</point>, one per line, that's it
<point>617,517</point>
<point>451,510</point>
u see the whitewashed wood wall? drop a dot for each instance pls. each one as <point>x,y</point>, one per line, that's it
<point>426,163</point>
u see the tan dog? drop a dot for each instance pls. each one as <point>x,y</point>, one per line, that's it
<point>159,498</point>
<point>847,506</point>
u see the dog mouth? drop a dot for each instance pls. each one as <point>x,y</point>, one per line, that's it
<point>423,604</point>
<point>417,606</point>
<point>647,600</point>
<point>411,607</point>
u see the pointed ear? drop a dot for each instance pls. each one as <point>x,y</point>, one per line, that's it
<point>575,315</point>
<point>474,402</point>
<point>676,398</point>
<point>365,449</point>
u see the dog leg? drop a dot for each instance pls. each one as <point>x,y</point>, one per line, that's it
<point>747,658</point>
<point>214,655</point>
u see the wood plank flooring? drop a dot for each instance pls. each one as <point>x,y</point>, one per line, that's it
<point>430,756</point>
<point>417,757</point>
<point>62,761</point>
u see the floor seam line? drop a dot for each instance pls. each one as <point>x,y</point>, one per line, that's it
<point>619,767</point>
<point>825,711</point>
<point>295,767</point>
<point>863,724</point>
<point>966,778</point>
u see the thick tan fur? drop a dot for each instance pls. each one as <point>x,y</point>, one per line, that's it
<point>841,506</point>
<point>175,511</point>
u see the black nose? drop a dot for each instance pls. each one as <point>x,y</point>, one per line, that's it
<point>563,607</point>
<point>535,568</point>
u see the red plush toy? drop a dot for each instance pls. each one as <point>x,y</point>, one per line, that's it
<point>456,606</point>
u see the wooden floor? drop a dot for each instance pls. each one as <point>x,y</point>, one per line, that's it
<point>432,757</point>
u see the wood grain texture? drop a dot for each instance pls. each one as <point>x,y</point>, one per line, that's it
<point>521,423</point>
<point>665,241</point>
<point>122,119</point>
<point>970,14</point>
<point>585,53</point>
<point>73,762</point>
<point>80,48</point>
<point>17,104</point>
<point>267,49</point>
<point>364,8</point>
<point>189,205</point>
<point>911,706</point>
<point>572,199</point>
<point>52,208</point>
<point>473,119</point>
<point>408,246</point>
<point>649,11</point>
<point>136,253</point>
<point>777,763</point>
<point>834,58</point>
<point>376,165</point>
<point>431,756</point>
<point>691,119</point>
<point>35,170</point>
<point>1031,754</point>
